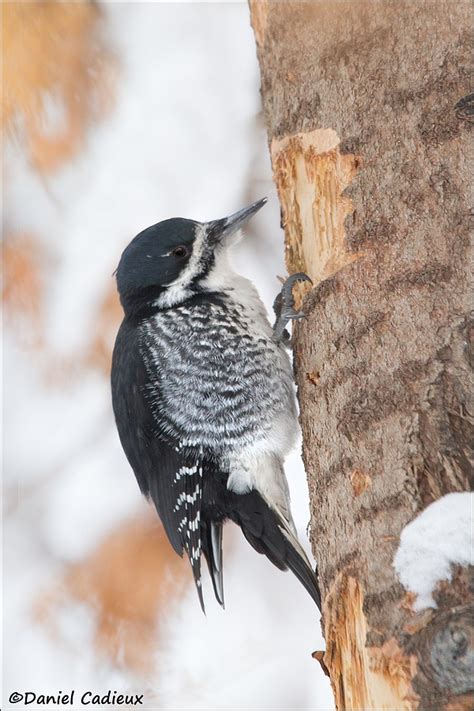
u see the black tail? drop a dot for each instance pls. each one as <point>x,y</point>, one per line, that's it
<point>264,529</point>
<point>212,549</point>
<point>268,534</point>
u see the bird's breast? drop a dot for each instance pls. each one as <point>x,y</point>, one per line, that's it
<point>217,378</point>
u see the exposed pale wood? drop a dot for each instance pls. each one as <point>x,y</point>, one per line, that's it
<point>259,13</point>
<point>311,175</point>
<point>363,677</point>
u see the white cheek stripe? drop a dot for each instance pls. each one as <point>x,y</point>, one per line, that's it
<point>179,288</point>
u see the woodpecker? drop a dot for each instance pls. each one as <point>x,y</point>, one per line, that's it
<point>203,394</point>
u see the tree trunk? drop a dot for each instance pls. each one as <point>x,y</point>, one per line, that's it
<point>369,146</point>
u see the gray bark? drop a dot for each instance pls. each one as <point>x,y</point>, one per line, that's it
<point>370,151</point>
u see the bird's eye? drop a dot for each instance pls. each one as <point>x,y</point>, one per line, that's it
<point>180,251</point>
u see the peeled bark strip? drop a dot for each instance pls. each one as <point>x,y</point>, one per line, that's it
<point>370,154</point>
<point>311,175</point>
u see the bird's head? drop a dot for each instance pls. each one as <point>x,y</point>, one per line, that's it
<point>168,262</point>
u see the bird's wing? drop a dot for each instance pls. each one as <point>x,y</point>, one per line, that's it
<point>168,474</point>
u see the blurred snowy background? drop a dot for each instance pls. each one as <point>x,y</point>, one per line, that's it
<point>118,115</point>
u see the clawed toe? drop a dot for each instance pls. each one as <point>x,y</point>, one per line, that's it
<point>284,306</point>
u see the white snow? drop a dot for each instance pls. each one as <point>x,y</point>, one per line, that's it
<point>439,537</point>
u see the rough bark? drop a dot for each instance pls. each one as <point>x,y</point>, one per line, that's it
<point>371,160</point>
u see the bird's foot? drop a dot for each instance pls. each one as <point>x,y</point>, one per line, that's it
<point>283,307</point>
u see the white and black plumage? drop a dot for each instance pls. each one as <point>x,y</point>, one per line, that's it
<point>203,395</point>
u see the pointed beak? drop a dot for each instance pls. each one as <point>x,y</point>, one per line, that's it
<point>217,229</point>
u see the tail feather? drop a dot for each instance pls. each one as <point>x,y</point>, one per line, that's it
<point>302,570</point>
<point>266,529</point>
<point>261,547</point>
<point>273,537</point>
<point>212,549</point>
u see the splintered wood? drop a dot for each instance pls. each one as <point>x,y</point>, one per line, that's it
<point>259,16</point>
<point>311,175</point>
<point>363,677</point>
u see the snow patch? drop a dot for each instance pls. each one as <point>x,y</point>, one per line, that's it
<point>430,544</point>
